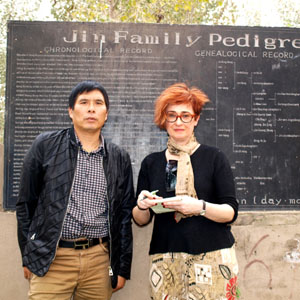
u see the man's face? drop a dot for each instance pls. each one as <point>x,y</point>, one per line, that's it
<point>89,113</point>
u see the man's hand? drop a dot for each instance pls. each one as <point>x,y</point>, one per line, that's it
<point>120,284</point>
<point>27,273</point>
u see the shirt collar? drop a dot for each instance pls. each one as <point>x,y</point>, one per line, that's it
<point>99,149</point>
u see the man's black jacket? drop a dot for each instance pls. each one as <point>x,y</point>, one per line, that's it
<point>45,187</point>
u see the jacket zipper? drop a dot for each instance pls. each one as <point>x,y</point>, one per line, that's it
<point>67,208</point>
<point>110,270</point>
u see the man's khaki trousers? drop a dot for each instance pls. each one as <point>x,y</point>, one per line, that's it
<point>82,274</point>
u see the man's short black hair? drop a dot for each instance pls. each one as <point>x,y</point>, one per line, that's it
<point>87,86</point>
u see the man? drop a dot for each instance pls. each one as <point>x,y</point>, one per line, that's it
<point>74,206</point>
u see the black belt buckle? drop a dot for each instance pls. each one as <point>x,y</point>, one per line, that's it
<point>81,244</point>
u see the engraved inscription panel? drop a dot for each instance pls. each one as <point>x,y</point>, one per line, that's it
<point>250,75</point>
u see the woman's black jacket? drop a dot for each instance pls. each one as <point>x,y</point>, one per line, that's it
<point>45,188</point>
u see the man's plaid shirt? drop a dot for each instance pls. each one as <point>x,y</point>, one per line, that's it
<point>87,210</point>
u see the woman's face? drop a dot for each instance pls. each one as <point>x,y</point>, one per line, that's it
<point>179,131</point>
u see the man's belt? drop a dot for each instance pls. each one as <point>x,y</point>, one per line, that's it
<point>82,244</point>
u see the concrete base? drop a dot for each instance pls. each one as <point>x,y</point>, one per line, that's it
<point>267,246</point>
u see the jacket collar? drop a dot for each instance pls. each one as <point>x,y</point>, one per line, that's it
<point>73,140</point>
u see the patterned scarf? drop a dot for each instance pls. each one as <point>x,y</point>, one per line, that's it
<point>185,174</point>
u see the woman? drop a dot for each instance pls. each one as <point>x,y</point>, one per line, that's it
<point>192,248</point>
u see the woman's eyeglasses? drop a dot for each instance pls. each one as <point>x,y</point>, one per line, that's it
<point>171,175</point>
<point>185,117</point>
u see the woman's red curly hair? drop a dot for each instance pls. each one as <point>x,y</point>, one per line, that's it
<point>178,93</point>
